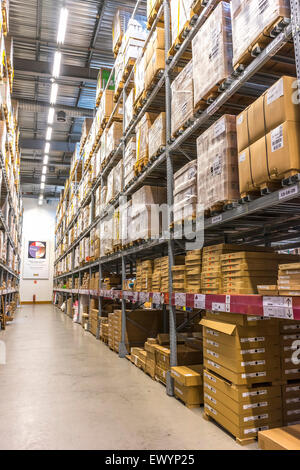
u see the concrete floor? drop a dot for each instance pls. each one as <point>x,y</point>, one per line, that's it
<point>63,389</point>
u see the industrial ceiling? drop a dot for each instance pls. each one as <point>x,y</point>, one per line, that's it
<point>87,47</point>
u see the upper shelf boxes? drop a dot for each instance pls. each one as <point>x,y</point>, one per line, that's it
<point>154,56</point>
<point>252,25</point>
<point>102,80</point>
<point>218,179</point>
<point>182,98</point>
<point>268,137</point>
<point>212,55</point>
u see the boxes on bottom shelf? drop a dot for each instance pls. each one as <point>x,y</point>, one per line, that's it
<point>286,438</point>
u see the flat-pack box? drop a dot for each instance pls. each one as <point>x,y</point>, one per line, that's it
<point>271,158</point>
<point>252,22</point>
<point>192,396</point>
<point>286,438</point>
<point>188,376</point>
<point>212,53</point>
<point>217,157</point>
<point>277,105</point>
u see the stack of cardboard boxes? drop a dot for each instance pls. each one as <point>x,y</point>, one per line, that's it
<point>289,279</point>
<point>242,373</point>
<point>154,56</point>
<point>179,278</point>
<point>104,329</point>
<point>188,384</point>
<point>193,267</point>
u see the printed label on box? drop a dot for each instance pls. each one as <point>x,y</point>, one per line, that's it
<point>277,138</point>
<point>288,192</point>
<point>275,92</point>
<point>199,301</point>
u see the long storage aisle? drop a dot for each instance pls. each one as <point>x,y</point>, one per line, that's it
<point>64,389</point>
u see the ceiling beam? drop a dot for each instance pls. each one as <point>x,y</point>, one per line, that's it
<point>44,69</point>
<point>39,144</point>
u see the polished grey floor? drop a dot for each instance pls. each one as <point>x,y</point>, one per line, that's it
<point>63,389</point>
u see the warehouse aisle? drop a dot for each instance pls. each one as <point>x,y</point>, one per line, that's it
<point>63,389</point>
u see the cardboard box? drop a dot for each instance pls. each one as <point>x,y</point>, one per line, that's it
<point>191,396</point>
<point>188,376</point>
<point>273,108</point>
<point>286,438</point>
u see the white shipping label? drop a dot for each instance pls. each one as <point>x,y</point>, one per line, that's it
<point>178,391</point>
<point>212,343</point>
<point>212,353</point>
<point>240,120</point>
<point>220,307</point>
<point>287,193</point>
<point>293,412</point>
<point>253,340</point>
<point>253,363</point>
<point>210,398</point>
<point>212,389</point>
<point>220,127</point>
<point>291,327</point>
<point>255,405</point>
<point>199,301</point>
<point>293,389</point>
<point>275,92</point>
<point>256,430</point>
<point>210,409</point>
<point>254,374</point>
<point>277,138</point>
<point>213,364</point>
<point>253,351</point>
<point>156,299</point>
<point>254,394</point>
<point>242,157</point>
<point>255,418</point>
<point>292,400</point>
<point>212,332</point>
<point>144,297</point>
<point>254,318</point>
<point>217,219</point>
<point>209,377</point>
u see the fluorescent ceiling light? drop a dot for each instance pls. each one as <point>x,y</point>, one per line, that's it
<point>46,157</point>
<point>42,185</point>
<point>43,178</point>
<point>54,90</point>
<point>47,147</point>
<point>40,202</point>
<point>51,115</point>
<point>62,26</point>
<point>49,133</point>
<point>56,64</point>
<point>44,170</point>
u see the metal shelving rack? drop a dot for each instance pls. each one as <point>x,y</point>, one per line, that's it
<point>269,219</point>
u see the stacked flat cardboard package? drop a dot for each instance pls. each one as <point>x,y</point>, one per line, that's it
<point>289,279</point>
<point>188,384</point>
<point>104,329</point>
<point>144,270</point>
<point>179,278</point>
<point>242,373</point>
<point>243,271</point>
<point>185,193</point>
<point>217,172</point>
<point>193,267</point>
<point>286,438</point>
<point>268,137</point>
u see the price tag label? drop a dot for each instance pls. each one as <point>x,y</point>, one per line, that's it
<point>180,300</point>
<point>156,298</point>
<point>217,219</point>
<point>278,307</point>
<point>199,301</point>
<point>144,297</point>
<point>288,192</point>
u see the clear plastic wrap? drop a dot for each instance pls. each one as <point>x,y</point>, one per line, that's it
<point>106,236</point>
<point>251,21</point>
<point>182,98</point>
<point>139,77</point>
<point>128,115</point>
<point>102,148</point>
<point>148,195</point>
<point>125,222</point>
<point>212,53</point>
<point>116,228</point>
<point>129,161</point>
<point>113,138</point>
<point>218,178</point>
<point>142,135</point>
<point>157,135</point>
<point>118,178</point>
<point>110,186</point>
<point>185,192</point>
<point>180,15</point>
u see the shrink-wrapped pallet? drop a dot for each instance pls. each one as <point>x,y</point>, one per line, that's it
<point>125,222</point>
<point>156,42</point>
<point>106,107</point>
<point>180,16</point>
<point>118,178</point>
<point>145,212</point>
<point>157,135</point>
<point>113,138</point>
<point>185,192</point>
<point>212,53</point>
<point>218,179</point>
<point>110,193</point>
<point>139,77</point>
<point>142,136</point>
<point>129,161</point>
<point>128,115</point>
<point>106,236</point>
<point>133,48</point>
<point>182,98</point>
<point>252,23</point>
<point>116,228</point>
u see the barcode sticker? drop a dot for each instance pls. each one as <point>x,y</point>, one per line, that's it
<point>253,363</point>
<point>253,375</point>
<point>208,397</point>
<point>277,138</point>
<point>255,405</point>
<point>255,418</point>
<point>256,430</point>
<point>217,219</point>
<point>242,157</point>
<point>220,127</point>
<point>212,389</point>
<point>210,377</point>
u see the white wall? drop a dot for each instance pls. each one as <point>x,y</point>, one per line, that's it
<point>38,224</point>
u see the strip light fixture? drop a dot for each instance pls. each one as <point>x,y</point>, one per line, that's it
<point>49,133</point>
<point>53,95</point>
<point>42,185</point>
<point>44,170</point>
<point>46,157</point>
<point>51,115</point>
<point>43,178</point>
<point>62,26</point>
<point>47,147</point>
<point>56,64</point>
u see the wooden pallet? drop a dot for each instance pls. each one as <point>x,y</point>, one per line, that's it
<point>118,91</point>
<point>138,104</point>
<point>153,15</point>
<point>140,165</point>
<point>117,46</point>
<point>190,407</point>
<point>260,44</point>
<point>158,379</point>
<point>241,442</point>
<point>179,40</point>
<point>157,153</point>
<point>155,79</point>
<point>289,178</point>
<point>221,206</point>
